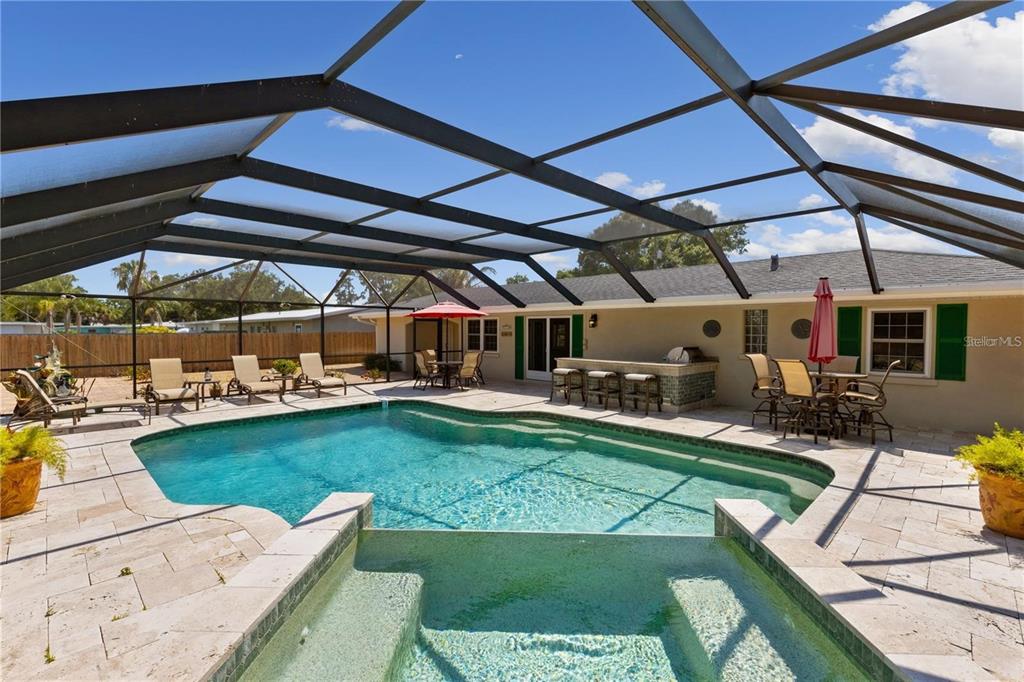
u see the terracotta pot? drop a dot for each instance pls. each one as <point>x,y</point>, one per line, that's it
<point>19,487</point>
<point>1002,503</point>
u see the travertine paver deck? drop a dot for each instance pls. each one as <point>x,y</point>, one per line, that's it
<point>903,516</point>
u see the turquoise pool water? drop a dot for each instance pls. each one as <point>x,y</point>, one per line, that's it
<point>441,606</point>
<point>430,467</point>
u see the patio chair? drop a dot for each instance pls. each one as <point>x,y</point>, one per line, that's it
<point>767,389</point>
<point>249,381</point>
<point>469,372</point>
<point>313,372</point>
<point>807,407</point>
<point>425,373</point>
<point>44,408</point>
<point>565,381</point>
<point>867,402</point>
<point>430,356</point>
<point>168,383</point>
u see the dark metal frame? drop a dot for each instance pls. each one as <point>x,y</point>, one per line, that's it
<point>60,229</point>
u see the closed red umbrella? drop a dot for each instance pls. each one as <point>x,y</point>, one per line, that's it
<point>822,348</point>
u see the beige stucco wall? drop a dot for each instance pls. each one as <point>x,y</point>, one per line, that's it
<point>993,391</point>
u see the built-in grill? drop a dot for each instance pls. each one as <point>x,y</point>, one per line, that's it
<point>684,355</point>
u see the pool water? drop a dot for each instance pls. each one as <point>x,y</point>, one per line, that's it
<point>428,605</point>
<point>431,467</point>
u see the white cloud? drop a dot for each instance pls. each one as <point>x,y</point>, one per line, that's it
<point>193,260</point>
<point>1007,139</point>
<point>651,188</point>
<point>459,56</point>
<point>768,239</point>
<point>353,124</point>
<point>204,222</point>
<point>613,179</point>
<point>834,141</point>
<point>558,260</point>
<point>811,200</point>
<point>972,61</point>
<point>623,183</point>
<point>711,206</point>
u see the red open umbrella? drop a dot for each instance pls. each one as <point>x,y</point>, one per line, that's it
<point>444,311</point>
<point>822,348</point>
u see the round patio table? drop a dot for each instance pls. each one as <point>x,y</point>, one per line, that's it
<point>447,366</point>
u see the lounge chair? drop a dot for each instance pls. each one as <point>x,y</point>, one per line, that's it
<point>808,408</point>
<point>43,408</point>
<point>313,373</point>
<point>867,402</point>
<point>425,373</point>
<point>249,381</point>
<point>767,389</point>
<point>168,383</point>
<point>470,370</point>
<point>139,404</point>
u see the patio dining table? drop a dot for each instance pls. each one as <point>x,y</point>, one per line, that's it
<point>833,377</point>
<point>446,367</point>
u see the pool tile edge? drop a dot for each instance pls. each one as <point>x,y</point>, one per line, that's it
<point>875,630</point>
<point>292,565</point>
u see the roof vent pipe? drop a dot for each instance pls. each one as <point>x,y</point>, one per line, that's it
<point>775,262</point>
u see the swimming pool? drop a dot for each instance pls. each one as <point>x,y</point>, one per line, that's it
<point>428,605</point>
<point>434,467</point>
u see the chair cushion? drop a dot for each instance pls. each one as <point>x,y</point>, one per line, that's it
<point>639,377</point>
<point>112,404</point>
<point>860,396</point>
<point>329,382</point>
<point>262,387</point>
<point>600,374</point>
<point>561,371</point>
<point>175,394</point>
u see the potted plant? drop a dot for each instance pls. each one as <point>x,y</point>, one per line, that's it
<point>998,462</point>
<point>22,455</point>
<point>284,367</point>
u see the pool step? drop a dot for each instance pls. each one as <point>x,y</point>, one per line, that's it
<point>445,655</point>
<point>730,636</point>
<point>353,625</point>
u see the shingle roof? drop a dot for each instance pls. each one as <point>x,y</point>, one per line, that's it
<point>795,274</point>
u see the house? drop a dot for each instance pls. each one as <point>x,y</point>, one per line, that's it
<point>301,320</point>
<point>955,322</point>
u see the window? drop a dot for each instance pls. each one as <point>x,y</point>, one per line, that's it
<point>298,327</point>
<point>898,335</point>
<point>482,335</point>
<point>755,331</point>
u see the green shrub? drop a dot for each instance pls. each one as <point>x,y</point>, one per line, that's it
<point>1002,454</point>
<point>33,442</point>
<point>141,374</point>
<point>380,361</point>
<point>284,366</point>
<point>153,329</point>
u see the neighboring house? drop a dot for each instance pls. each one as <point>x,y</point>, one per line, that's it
<point>303,320</point>
<point>23,327</point>
<point>955,321</point>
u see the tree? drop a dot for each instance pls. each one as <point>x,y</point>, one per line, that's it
<point>658,252</point>
<point>517,278</point>
<point>391,285</point>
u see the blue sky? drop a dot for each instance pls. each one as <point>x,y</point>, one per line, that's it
<point>533,76</point>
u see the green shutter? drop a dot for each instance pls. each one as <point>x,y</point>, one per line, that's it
<point>848,332</point>
<point>520,347</point>
<point>577,336</point>
<point>950,346</point>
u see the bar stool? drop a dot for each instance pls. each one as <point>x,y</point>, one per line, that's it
<point>646,386</point>
<point>605,385</point>
<point>565,380</point>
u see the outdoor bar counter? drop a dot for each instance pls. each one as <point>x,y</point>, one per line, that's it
<point>684,386</point>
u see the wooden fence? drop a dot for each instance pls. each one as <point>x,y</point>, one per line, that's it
<point>114,351</point>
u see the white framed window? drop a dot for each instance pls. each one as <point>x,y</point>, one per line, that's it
<point>482,335</point>
<point>900,334</point>
<point>298,327</point>
<point>755,331</point>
